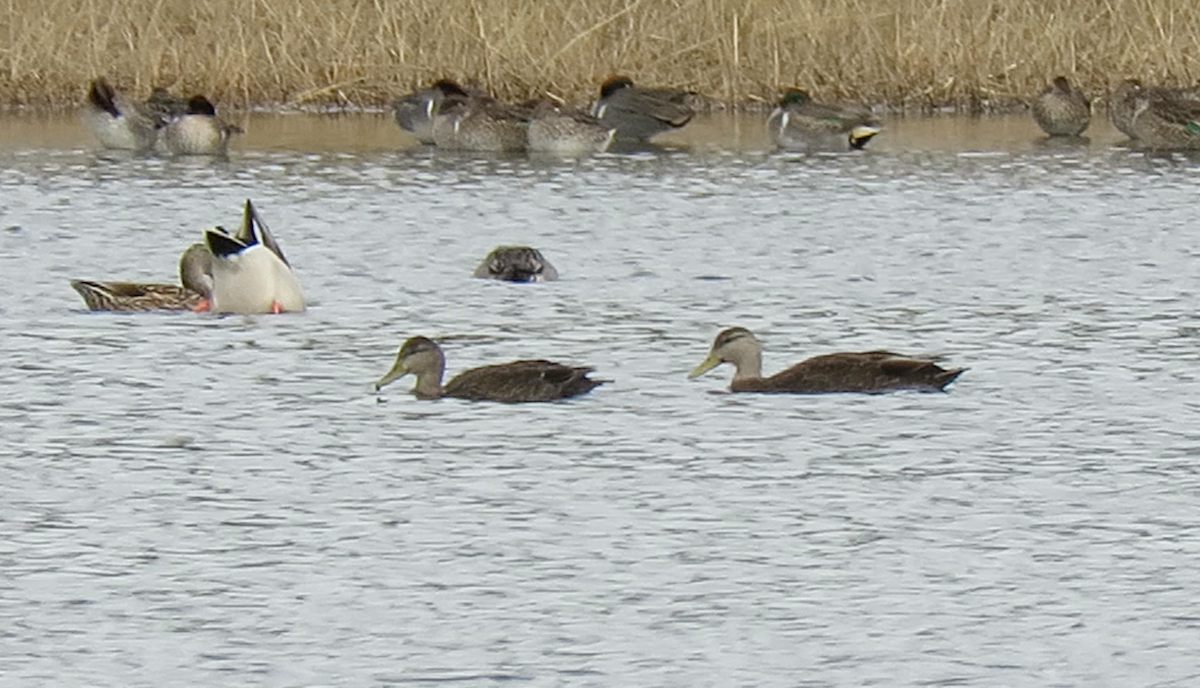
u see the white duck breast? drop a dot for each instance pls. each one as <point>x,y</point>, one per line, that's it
<point>250,274</point>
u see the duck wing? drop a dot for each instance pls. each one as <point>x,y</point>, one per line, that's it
<point>668,106</point>
<point>135,296</point>
<point>867,371</point>
<point>521,381</point>
<point>1178,111</point>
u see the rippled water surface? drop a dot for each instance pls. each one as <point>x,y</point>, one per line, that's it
<point>196,500</point>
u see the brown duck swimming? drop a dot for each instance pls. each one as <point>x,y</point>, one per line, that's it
<point>867,371</point>
<point>195,274</point>
<point>515,382</point>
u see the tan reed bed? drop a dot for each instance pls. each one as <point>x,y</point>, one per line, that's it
<point>906,53</point>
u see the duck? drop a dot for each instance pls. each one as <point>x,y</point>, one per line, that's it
<point>193,293</point>
<point>1121,105</point>
<point>1124,102</point>
<point>565,131</point>
<point>250,272</point>
<point>516,264</point>
<point>198,131</point>
<point>802,124</point>
<point>638,113</point>
<point>480,124</point>
<point>415,111</point>
<point>515,382</point>
<point>164,106</point>
<point>1166,121</point>
<point>866,371</point>
<point>1060,109</point>
<point>117,121</point>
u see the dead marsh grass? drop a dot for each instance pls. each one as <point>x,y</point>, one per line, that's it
<point>907,53</point>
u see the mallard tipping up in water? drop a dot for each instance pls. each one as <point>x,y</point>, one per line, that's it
<point>516,264</point>
<point>1061,109</point>
<point>515,382</point>
<point>801,124</point>
<point>250,272</point>
<point>868,371</point>
<point>195,274</point>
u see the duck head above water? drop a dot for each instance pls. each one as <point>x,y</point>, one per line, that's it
<point>422,357</point>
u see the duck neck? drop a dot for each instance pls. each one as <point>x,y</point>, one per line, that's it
<point>748,366</point>
<point>429,385</point>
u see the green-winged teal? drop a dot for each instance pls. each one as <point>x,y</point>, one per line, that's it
<point>1061,109</point>
<point>868,371</point>
<point>567,131</point>
<point>638,113</point>
<point>1166,122</point>
<point>480,125</point>
<point>802,124</point>
<point>1130,94</point>
<point>515,382</point>
<point>250,272</point>
<point>117,121</point>
<point>198,131</point>
<point>516,264</point>
<point>165,106</point>
<point>195,276</point>
<point>1122,103</point>
<point>415,112</point>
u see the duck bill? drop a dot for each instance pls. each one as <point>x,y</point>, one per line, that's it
<point>706,365</point>
<point>398,371</point>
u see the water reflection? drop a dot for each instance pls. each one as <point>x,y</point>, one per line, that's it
<point>364,133</point>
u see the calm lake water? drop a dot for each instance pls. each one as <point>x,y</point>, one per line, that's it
<point>188,499</point>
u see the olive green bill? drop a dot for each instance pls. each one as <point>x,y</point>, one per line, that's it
<point>399,370</point>
<point>706,365</point>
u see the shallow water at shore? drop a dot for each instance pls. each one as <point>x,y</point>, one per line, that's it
<point>195,499</point>
<point>744,132</point>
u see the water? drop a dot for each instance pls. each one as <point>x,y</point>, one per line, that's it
<point>190,499</point>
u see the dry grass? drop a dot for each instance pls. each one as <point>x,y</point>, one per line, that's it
<point>907,53</point>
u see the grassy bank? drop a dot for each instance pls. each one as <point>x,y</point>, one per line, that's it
<point>906,53</point>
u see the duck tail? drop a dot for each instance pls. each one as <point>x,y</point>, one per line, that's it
<point>582,384</point>
<point>94,294</point>
<point>102,96</point>
<point>221,245</point>
<point>946,377</point>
